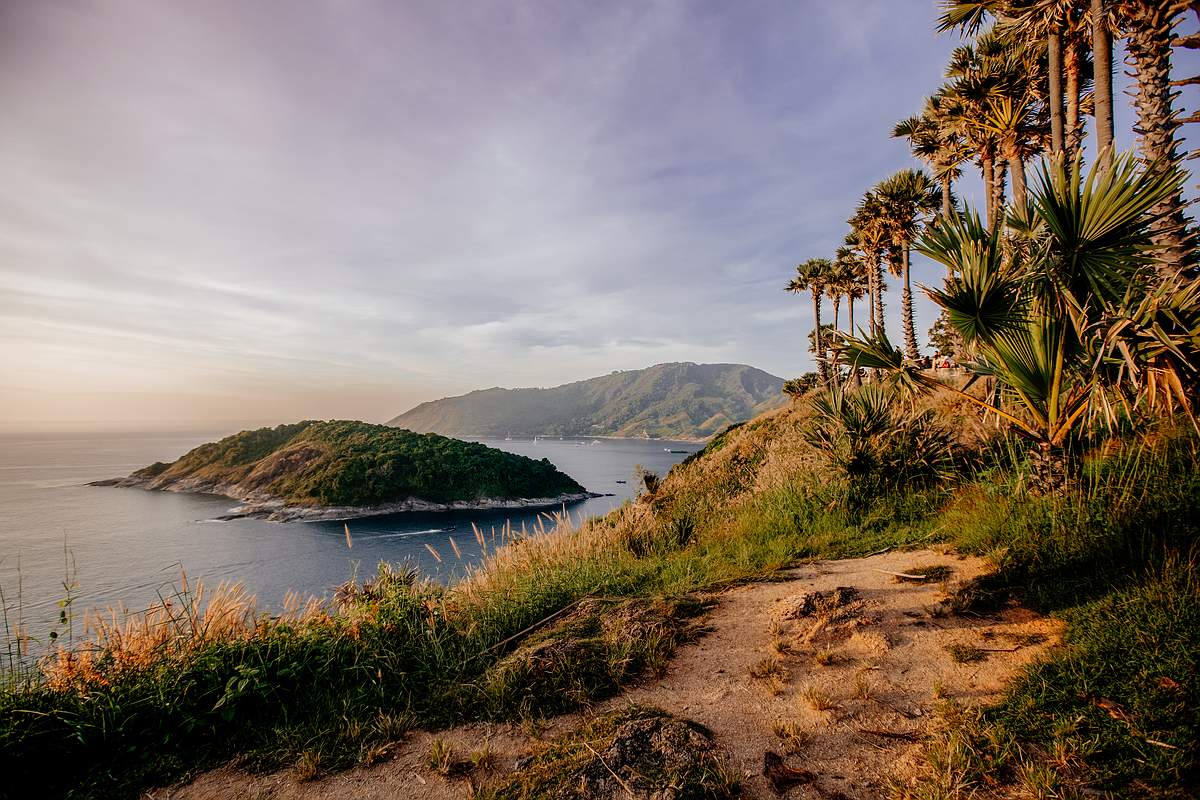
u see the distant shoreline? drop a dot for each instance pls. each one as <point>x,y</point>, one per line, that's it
<point>281,512</point>
<point>274,509</point>
<point>555,436</point>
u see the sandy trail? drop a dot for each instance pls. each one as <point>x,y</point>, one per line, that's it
<point>858,683</point>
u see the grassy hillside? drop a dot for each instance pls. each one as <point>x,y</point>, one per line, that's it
<point>340,463</point>
<point>687,401</point>
<point>324,688</point>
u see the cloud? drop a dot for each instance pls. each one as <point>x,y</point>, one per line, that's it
<point>340,208</point>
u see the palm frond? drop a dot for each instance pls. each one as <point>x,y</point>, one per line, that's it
<point>1099,225</point>
<point>982,298</point>
<point>876,352</point>
<point>967,16</point>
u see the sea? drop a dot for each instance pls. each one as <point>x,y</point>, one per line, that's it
<point>108,547</point>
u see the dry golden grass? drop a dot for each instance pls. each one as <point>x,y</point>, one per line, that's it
<point>308,766</point>
<point>189,619</point>
<point>793,735</point>
<point>767,667</point>
<point>864,689</point>
<point>510,554</point>
<point>441,757</point>
<point>781,646</point>
<point>818,699</point>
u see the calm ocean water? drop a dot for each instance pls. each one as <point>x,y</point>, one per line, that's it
<point>128,545</point>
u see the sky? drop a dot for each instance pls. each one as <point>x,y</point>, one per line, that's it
<point>250,213</point>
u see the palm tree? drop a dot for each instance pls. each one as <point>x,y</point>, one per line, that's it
<point>1012,109</point>
<point>965,112</point>
<point>852,270</point>
<point>1102,46</point>
<point>1067,320</point>
<point>854,280</point>
<point>910,197</point>
<point>1148,28</point>
<point>834,279</point>
<point>1062,26</point>
<point>869,235</point>
<point>996,86</point>
<point>933,139</point>
<point>811,276</point>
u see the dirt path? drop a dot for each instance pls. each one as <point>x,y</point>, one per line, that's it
<point>847,681</point>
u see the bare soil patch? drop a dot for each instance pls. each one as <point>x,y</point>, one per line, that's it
<point>823,683</point>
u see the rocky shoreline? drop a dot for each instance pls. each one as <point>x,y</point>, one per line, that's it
<point>262,505</point>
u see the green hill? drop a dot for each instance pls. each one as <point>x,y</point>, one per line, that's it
<point>309,468</point>
<point>681,400</point>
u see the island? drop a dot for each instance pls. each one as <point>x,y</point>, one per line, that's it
<point>340,469</point>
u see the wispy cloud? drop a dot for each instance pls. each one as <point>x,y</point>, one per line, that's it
<point>273,209</point>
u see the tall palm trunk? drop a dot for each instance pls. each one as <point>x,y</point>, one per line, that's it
<point>1055,96</point>
<point>878,269</point>
<point>910,331</point>
<point>835,372</point>
<point>947,200</point>
<point>1073,128</point>
<point>1148,45</point>
<point>855,378</point>
<point>999,172</point>
<point>818,339</point>
<point>1102,57</point>
<point>985,167</point>
<point>871,322</point>
<point>1016,168</point>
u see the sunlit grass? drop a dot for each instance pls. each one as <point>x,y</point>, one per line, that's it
<point>595,604</point>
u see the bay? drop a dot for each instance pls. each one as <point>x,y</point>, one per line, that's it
<point>127,547</point>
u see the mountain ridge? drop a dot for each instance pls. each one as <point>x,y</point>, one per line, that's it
<point>679,400</point>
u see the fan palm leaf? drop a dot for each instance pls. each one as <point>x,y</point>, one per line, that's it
<point>1065,312</point>
<point>1098,227</point>
<point>982,298</point>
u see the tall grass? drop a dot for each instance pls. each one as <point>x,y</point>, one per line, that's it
<point>1116,711</point>
<point>207,677</point>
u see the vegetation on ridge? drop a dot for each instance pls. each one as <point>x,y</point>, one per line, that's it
<point>683,401</point>
<point>341,463</point>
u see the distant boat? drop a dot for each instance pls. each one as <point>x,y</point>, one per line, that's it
<point>669,450</point>
<point>622,481</point>
<point>508,438</point>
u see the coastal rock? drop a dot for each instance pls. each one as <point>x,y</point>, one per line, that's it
<point>277,511</point>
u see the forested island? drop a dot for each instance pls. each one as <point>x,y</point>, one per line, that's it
<point>341,469</point>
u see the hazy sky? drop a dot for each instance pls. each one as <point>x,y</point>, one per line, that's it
<point>266,211</point>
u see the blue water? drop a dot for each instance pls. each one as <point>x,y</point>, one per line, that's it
<point>127,546</point>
